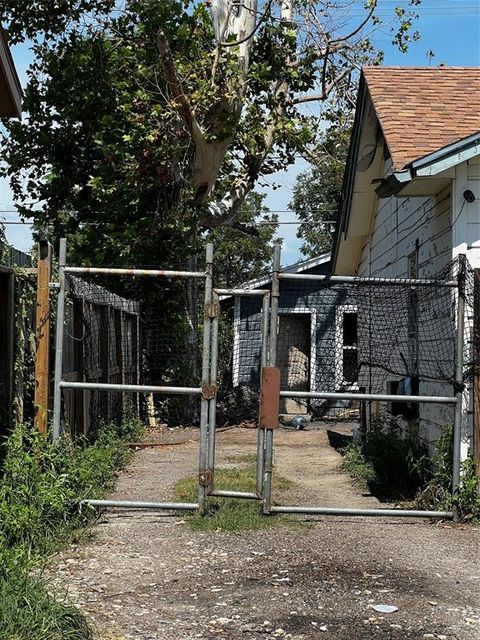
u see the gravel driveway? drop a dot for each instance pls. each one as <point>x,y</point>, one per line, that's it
<point>147,576</point>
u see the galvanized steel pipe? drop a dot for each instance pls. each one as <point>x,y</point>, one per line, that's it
<point>330,511</point>
<point>137,388</point>
<point>130,504</point>
<point>367,396</point>
<point>136,272</point>
<point>60,322</point>
<point>367,280</point>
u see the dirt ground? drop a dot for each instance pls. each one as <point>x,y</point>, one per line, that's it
<point>147,576</point>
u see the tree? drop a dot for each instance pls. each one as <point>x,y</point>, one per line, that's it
<point>317,191</point>
<point>147,117</point>
<point>244,256</point>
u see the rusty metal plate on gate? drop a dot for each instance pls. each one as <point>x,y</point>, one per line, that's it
<point>270,398</point>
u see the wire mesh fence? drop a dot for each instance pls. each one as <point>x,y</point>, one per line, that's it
<point>150,338</point>
<point>361,336</point>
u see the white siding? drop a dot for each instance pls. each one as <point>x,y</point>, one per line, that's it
<point>401,223</point>
<point>400,226</point>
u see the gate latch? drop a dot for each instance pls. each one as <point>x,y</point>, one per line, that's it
<point>212,310</point>
<point>209,391</point>
<point>205,478</point>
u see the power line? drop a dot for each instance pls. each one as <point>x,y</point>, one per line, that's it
<point>253,224</point>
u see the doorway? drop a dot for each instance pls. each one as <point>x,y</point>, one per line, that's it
<point>293,357</point>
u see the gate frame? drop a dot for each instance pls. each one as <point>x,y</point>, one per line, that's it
<point>205,391</point>
<point>456,400</point>
<point>264,359</point>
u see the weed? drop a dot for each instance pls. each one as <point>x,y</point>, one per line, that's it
<point>437,492</point>
<point>41,489</point>
<point>355,463</point>
<point>234,514</point>
<point>29,611</point>
<point>390,460</point>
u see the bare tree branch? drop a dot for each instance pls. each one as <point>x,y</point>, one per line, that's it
<point>176,88</point>
<point>326,91</point>
<point>360,26</point>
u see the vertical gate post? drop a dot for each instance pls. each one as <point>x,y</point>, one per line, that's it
<point>203,475</point>
<point>272,358</point>
<point>263,363</point>
<point>457,431</point>
<point>212,412</point>
<point>60,321</point>
<point>42,335</point>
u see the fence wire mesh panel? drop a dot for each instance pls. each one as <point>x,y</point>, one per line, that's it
<point>151,338</point>
<point>394,338</point>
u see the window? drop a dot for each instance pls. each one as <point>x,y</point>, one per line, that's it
<point>347,347</point>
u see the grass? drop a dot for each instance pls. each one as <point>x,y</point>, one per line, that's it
<point>247,458</point>
<point>394,464</point>
<point>231,515</point>
<point>355,463</point>
<point>29,611</point>
<point>390,460</point>
<point>41,487</point>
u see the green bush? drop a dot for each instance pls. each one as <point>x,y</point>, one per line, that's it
<point>437,493</point>
<point>42,485</point>
<point>390,459</point>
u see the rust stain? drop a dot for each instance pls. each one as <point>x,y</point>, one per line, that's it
<point>270,398</point>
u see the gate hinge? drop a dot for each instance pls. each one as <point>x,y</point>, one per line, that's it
<point>205,478</point>
<point>212,310</point>
<point>209,391</point>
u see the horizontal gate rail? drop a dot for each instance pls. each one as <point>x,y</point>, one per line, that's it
<point>136,272</point>
<point>130,504</point>
<point>223,493</point>
<point>368,396</point>
<point>135,388</point>
<point>357,280</point>
<point>330,511</point>
<point>242,292</point>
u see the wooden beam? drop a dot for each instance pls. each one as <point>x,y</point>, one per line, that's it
<point>42,336</point>
<point>476,373</point>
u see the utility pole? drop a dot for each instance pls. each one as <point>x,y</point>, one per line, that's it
<point>42,335</point>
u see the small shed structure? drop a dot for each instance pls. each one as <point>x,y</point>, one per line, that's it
<point>316,344</point>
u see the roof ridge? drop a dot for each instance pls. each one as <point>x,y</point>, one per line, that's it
<point>420,68</point>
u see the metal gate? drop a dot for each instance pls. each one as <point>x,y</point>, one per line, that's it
<point>269,422</point>
<point>270,391</point>
<point>205,392</point>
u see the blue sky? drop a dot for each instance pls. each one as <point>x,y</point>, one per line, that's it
<point>451,28</point>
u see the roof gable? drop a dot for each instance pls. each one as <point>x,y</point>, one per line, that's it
<point>423,109</point>
<point>299,267</point>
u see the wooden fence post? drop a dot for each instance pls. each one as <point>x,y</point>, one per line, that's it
<point>42,335</point>
<point>476,372</point>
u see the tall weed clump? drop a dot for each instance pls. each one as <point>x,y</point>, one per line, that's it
<point>437,493</point>
<point>42,485</point>
<point>391,460</point>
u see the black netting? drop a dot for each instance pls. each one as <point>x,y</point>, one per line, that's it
<point>356,337</point>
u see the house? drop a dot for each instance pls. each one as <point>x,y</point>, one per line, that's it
<point>316,341</point>
<point>411,200</point>
<point>10,106</point>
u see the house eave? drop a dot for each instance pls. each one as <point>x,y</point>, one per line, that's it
<point>430,166</point>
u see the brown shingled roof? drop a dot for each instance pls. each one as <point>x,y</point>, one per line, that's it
<point>422,109</point>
